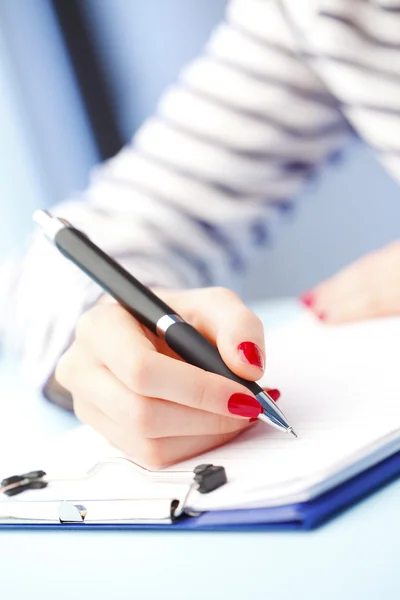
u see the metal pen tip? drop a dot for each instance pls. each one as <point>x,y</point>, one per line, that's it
<point>292,432</point>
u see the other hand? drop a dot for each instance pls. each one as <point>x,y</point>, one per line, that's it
<point>368,288</point>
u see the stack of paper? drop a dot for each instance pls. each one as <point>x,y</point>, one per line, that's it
<point>340,391</point>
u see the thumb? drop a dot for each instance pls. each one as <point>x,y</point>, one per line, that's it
<point>223,318</point>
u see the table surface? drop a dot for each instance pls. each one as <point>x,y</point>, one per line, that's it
<point>356,555</point>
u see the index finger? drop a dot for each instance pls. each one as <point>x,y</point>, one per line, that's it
<point>222,317</point>
<point>160,376</point>
<point>117,341</point>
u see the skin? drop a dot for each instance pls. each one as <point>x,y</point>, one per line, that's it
<point>128,385</point>
<point>369,288</point>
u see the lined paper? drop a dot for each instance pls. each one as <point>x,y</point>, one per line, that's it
<point>340,391</point>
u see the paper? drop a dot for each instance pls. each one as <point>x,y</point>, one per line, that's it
<point>340,391</point>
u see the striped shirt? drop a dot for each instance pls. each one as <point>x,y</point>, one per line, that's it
<point>279,89</point>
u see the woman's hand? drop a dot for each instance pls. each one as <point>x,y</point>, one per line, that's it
<point>368,288</point>
<point>133,389</point>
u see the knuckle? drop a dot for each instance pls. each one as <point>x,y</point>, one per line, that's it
<point>393,246</point>
<point>80,409</point>
<point>152,454</point>
<point>226,294</point>
<point>64,369</point>
<point>129,446</point>
<point>247,315</point>
<point>146,452</point>
<point>192,316</point>
<point>258,322</point>
<point>224,424</point>
<point>376,304</point>
<point>142,418</point>
<point>138,373</point>
<point>200,390</point>
<point>373,303</point>
<point>86,323</point>
<point>101,313</point>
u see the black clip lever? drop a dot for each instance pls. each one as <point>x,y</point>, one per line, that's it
<point>209,478</point>
<point>34,480</point>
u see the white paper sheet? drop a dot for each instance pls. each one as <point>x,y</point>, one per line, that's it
<point>340,391</point>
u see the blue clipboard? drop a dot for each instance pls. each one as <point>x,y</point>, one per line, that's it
<point>303,516</point>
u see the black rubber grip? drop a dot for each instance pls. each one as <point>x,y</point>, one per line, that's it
<point>197,350</point>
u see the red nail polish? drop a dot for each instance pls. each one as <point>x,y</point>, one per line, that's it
<point>251,353</point>
<point>244,406</point>
<point>308,299</point>
<point>275,394</point>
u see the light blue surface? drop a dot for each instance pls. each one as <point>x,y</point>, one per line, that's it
<point>355,556</point>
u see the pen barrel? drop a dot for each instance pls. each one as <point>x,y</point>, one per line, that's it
<point>135,297</point>
<point>143,305</point>
<point>197,350</point>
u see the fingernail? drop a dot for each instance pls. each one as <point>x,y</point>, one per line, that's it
<point>307,299</point>
<point>275,394</point>
<point>244,406</point>
<point>251,354</point>
<point>321,316</point>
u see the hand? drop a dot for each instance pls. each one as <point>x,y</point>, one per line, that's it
<point>129,385</point>
<point>368,288</point>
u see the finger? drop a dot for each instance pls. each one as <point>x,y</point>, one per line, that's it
<point>367,294</point>
<point>90,414</point>
<point>222,317</point>
<point>359,306</point>
<point>187,385</point>
<point>118,342</point>
<point>273,393</point>
<point>148,417</point>
<point>110,320</point>
<point>154,453</point>
<point>167,451</point>
<point>357,292</point>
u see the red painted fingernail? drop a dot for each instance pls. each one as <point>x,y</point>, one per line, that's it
<point>251,353</point>
<point>307,299</point>
<point>321,316</point>
<point>275,394</point>
<point>253,420</point>
<point>244,406</point>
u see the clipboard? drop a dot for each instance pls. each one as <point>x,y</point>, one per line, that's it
<point>170,513</point>
<point>351,466</point>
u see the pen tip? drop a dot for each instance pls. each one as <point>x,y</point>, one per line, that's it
<point>292,432</point>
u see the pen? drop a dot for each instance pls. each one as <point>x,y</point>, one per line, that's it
<point>150,310</point>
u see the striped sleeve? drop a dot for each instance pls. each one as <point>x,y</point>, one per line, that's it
<point>354,45</point>
<point>188,202</point>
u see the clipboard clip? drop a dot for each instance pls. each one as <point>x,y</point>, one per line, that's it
<point>205,478</point>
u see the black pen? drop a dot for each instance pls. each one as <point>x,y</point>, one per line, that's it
<point>150,310</point>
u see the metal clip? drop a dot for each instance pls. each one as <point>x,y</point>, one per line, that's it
<point>34,480</point>
<point>207,478</point>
